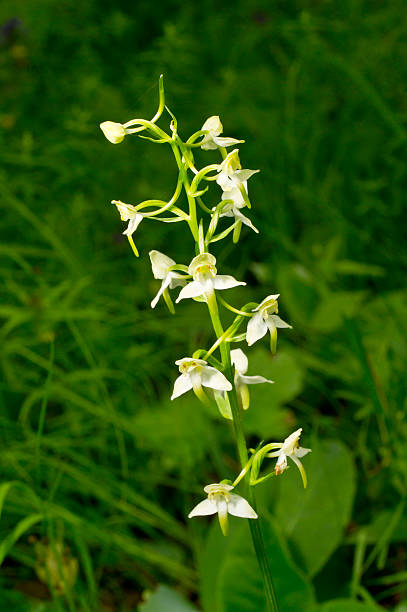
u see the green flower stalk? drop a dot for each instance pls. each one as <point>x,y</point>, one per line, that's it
<point>220,380</point>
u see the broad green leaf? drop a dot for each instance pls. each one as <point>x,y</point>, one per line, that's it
<point>168,600</point>
<point>347,605</point>
<point>180,425</point>
<point>266,416</point>
<point>331,310</point>
<point>231,580</point>
<point>314,519</point>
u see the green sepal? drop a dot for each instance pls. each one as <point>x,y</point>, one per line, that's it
<point>222,401</point>
<point>273,341</point>
<point>168,301</point>
<point>236,231</point>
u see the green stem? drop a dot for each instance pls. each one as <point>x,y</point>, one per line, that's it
<point>255,529</point>
<point>193,224</point>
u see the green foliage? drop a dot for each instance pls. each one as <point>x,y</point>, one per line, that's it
<point>347,605</point>
<point>314,520</point>
<point>91,445</point>
<point>166,599</point>
<point>230,576</point>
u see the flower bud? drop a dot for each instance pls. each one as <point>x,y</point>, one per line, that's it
<point>114,132</point>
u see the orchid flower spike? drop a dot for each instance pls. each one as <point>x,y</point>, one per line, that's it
<point>264,319</point>
<point>290,448</point>
<point>232,209</point>
<point>212,140</point>
<point>203,270</point>
<point>221,501</point>
<point>231,175</point>
<point>240,361</point>
<point>196,373</point>
<point>114,132</point>
<point>161,265</point>
<point>129,213</point>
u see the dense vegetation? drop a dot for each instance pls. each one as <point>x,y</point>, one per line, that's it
<point>99,467</point>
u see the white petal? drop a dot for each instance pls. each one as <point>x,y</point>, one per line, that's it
<point>163,287</point>
<point>193,289</point>
<point>160,264</point>
<point>224,281</point>
<point>280,323</point>
<point>176,281</point>
<point>256,329</point>
<point>204,508</point>
<point>271,325</point>
<point>245,220</point>
<point>238,506</point>
<point>133,224</point>
<point>235,195</point>
<point>291,442</point>
<point>244,175</point>
<point>301,452</point>
<point>225,182</point>
<point>208,144</point>
<point>181,385</point>
<point>281,463</point>
<point>211,377</point>
<point>254,380</point>
<point>213,125</point>
<point>222,141</point>
<point>239,360</point>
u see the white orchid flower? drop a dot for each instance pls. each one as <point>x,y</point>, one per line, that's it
<point>114,132</point>
<point>196,373</point>
<point>203,270</point>
<point>160,264</point>
<point>129,213</point>
<point>220,500</point>
<point>231,176</point>
<point>264,319</point>
<point>241,363</point>
<point>290,448</point>
<point>232,209</point>
<point>212,140</point>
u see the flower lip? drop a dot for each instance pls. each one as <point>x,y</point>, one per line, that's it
<point>268,303</point>
<point>202,262</point>
<point>218,489</point>
<point>186,363</point>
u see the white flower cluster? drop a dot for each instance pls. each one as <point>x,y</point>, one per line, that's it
<point>200,281</point>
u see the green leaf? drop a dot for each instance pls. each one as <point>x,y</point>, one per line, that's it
<point>22,526</point>
<point>166,599</point>
<point>314,519</point>
<point>230,577</point>
<point>332,309</point>
<point>347,605</point>
<point>178,425</point>
<point>266,416</point>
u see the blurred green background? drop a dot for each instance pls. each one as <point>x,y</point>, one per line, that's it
<point>98,468</point>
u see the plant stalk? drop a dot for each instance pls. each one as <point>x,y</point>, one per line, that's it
<point>255,528</point>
